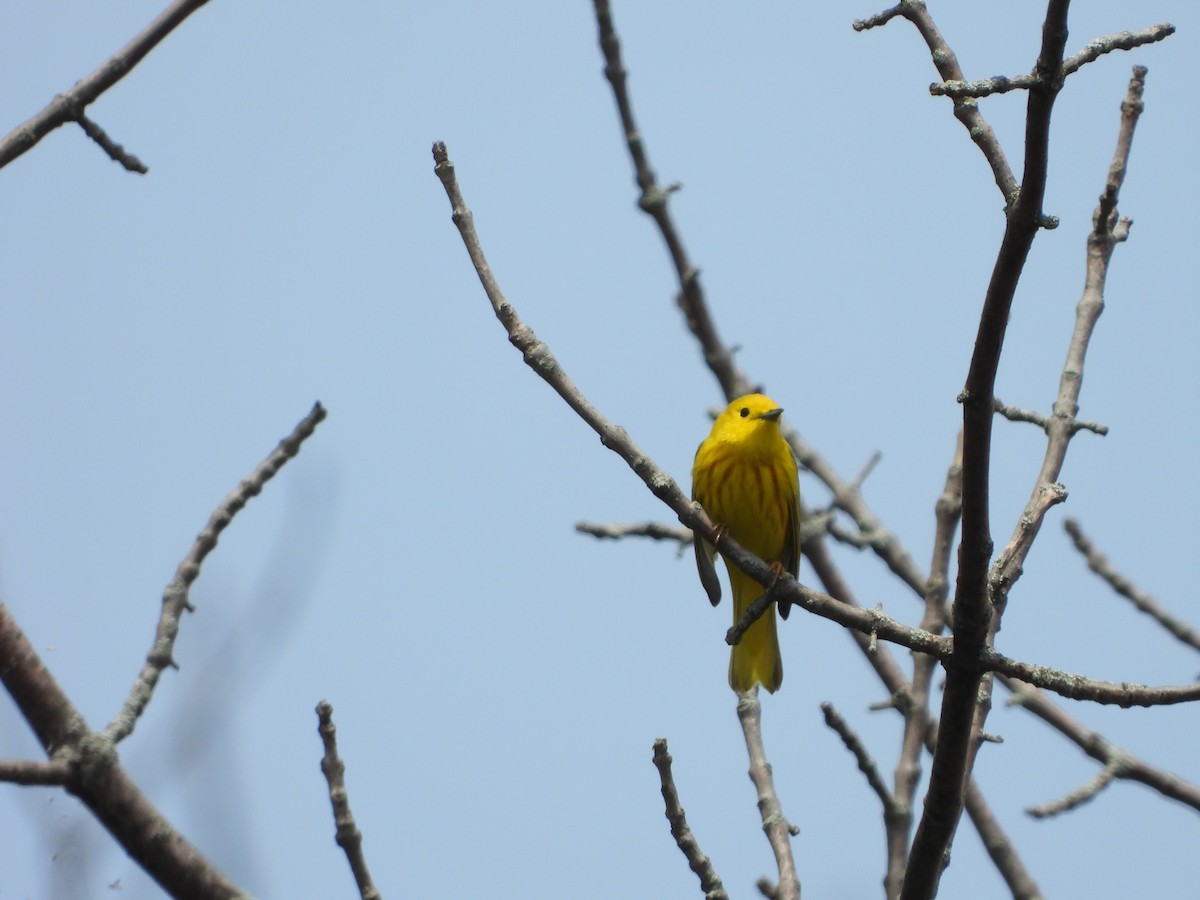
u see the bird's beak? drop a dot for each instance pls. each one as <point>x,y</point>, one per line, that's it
<point>772,414</point>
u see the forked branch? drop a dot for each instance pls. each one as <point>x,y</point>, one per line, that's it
<point>70,105</point>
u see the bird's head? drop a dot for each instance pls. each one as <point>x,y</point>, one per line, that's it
<point>750,418</point>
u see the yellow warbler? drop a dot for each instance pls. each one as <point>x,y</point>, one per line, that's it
<point>745,478</point>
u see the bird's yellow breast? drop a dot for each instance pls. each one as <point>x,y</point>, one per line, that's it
<point>749,493</point>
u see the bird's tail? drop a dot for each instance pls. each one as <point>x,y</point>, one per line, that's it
<point>755,658</point>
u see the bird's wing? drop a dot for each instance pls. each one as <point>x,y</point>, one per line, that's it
<point>791,546</point>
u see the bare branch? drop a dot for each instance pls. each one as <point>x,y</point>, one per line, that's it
<point>1060,427</point>
<point>653,201</point>
<point>175,597</point>
<point>69,106</point>
<point>1078,687</point>
<point>1144,602</point>
<point>901,564</point>
<point>1092,51</point>
<point>966,109</point>
<point>1009,564</point>
<point>710,882</point>
<point>1016,414</point>
<point>95,776</point>
<point>775,824</point>
<point>349,838</point>
<point>1101,749</point>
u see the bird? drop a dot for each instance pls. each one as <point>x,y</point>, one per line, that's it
<point>745,477</point>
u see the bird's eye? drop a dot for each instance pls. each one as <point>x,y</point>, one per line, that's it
<point>745,411</point>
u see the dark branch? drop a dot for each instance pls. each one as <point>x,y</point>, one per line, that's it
<point>972,611</point>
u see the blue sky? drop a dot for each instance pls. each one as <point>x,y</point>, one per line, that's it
<point>498,679</point>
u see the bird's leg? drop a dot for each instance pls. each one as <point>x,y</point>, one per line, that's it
<point>721,530</point>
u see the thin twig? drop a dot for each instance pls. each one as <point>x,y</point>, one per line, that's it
<point>349,838</point>
<point>1143,601</point>
<point>753,613</point>
<point>779,832</point>
<point>698,862</point>
<point>866,470</point>
<point>862,757</point>
<point>69,106</point>
<point>657,531</point>
<point>1080,796</point>
<point>115,151</point>
<point>175,596</point>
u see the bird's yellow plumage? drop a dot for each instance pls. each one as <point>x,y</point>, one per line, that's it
<point>745,478</point>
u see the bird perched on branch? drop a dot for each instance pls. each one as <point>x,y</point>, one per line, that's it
<point>745,478</point>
